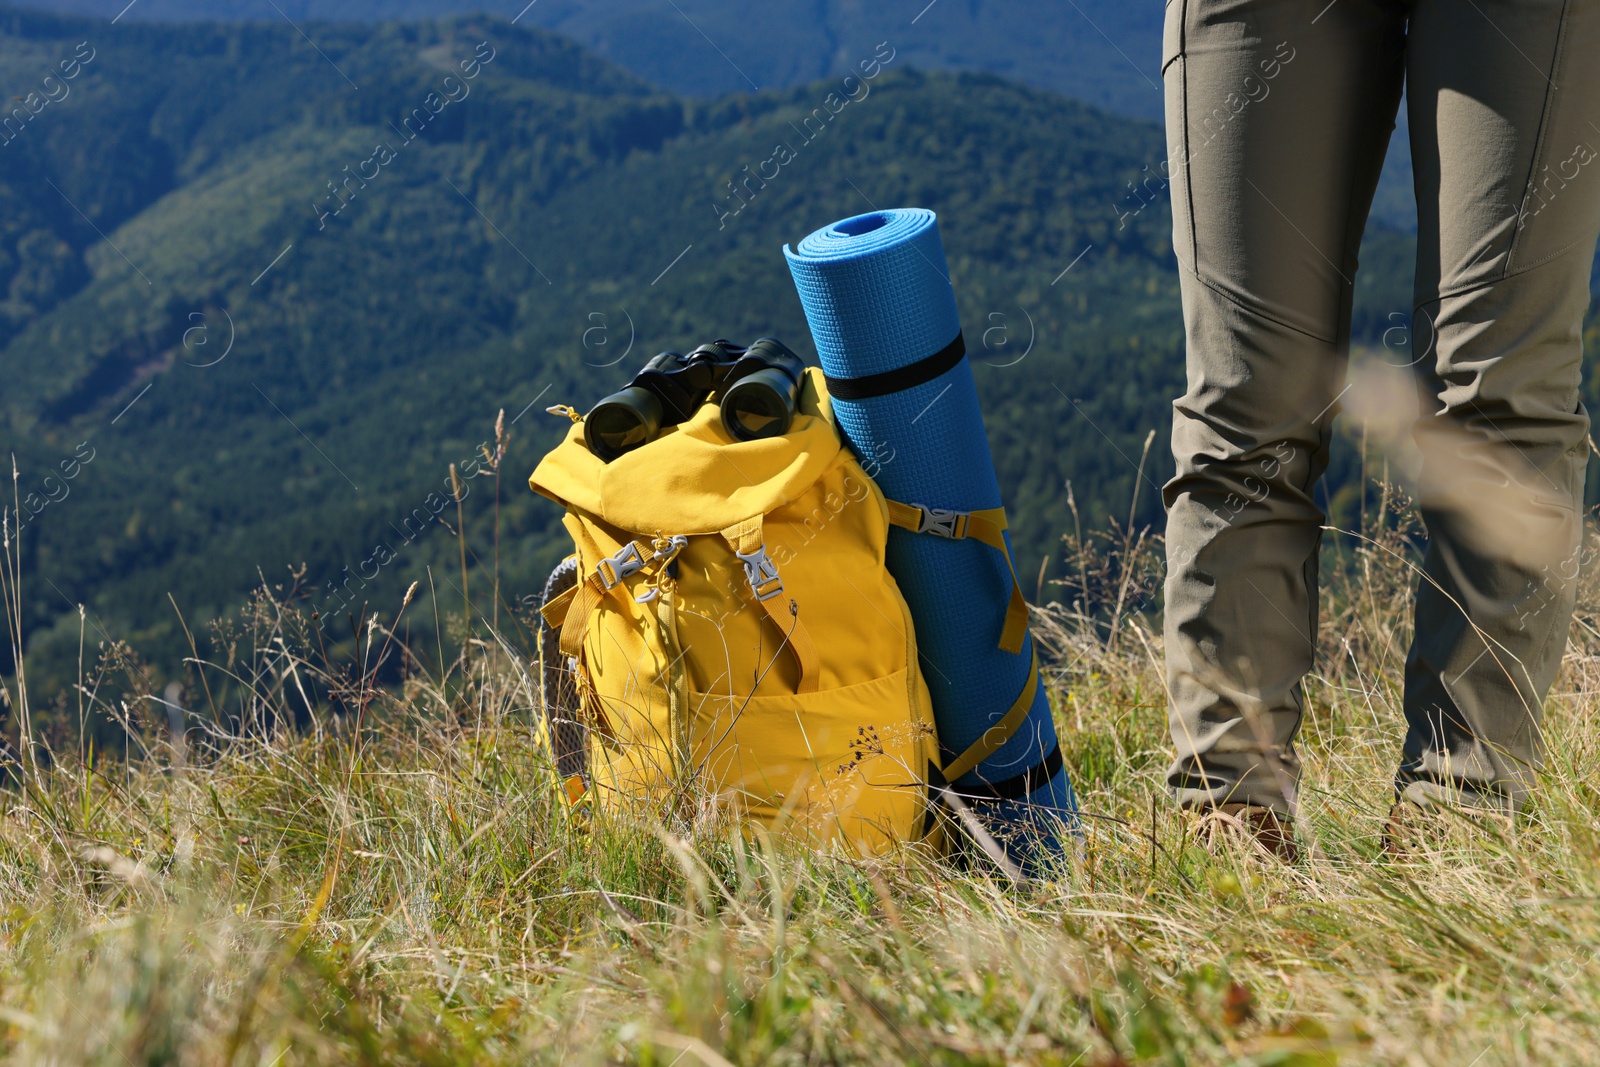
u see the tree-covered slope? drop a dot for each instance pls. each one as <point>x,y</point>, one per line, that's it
<point>1104,52</point>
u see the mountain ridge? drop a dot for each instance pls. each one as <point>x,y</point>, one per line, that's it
<point>714,47</point>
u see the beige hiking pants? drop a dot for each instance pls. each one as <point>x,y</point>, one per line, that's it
<point>1278,114</point>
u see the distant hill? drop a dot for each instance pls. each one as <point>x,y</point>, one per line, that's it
<point>1099,51</point>
<point>1104,52</point>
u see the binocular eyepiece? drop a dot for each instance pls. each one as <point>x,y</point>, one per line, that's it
<point>756,388</point>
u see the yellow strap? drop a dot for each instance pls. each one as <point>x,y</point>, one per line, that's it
<point>799,643</point>
<point>995,737</point>
<point>988,526</point>
<point>587,595</point>
<point>555,612</point>
<point>746,537</point>
<point>904,515</point>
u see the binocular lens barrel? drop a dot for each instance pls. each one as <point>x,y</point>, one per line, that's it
<point>756,389</point>
<point>622,422</point>
<point>759,405</point>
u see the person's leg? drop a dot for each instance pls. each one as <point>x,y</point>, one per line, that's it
<point>1504,99</point>
<point>1278,114</point>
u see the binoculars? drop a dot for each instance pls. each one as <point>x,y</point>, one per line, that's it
<point>756,388</point>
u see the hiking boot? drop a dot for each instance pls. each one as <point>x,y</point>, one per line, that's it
<point>1249,824</point>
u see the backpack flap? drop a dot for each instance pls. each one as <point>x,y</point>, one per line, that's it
<point>693,478</point>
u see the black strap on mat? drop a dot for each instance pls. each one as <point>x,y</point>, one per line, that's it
<point>1014,788</point>
<point>907,377</point>
<point>1019,785</point>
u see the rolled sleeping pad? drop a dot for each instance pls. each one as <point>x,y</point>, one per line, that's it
<point>877,295</point>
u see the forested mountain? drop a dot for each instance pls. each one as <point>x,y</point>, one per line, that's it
<point>1101,51</point>
<point>259,293</point>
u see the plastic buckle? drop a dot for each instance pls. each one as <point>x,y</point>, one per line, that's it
<point>668,548</point>
<point>759,570</point>
<point>943,522</point>
<point>624,564</point>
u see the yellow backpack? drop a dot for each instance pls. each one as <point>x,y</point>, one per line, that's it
<point>736,633</point>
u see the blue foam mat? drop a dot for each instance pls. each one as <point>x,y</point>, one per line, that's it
<point>877,295</point>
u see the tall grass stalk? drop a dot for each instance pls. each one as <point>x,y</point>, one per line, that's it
<point>461,543</point>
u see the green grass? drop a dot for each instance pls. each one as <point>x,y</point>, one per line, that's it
<point>418,895</point>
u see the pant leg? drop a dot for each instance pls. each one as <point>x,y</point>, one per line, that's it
<point>1505,132</point>
<point>1278,115</point>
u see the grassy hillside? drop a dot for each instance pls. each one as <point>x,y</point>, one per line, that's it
<point>417,895</point>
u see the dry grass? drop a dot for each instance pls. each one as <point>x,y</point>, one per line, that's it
<point>418,895</point>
